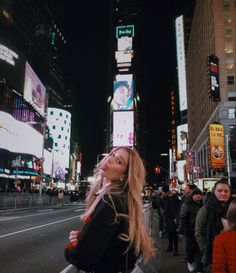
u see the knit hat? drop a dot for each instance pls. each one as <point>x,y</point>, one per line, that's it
<point>165,188</point>
<point>196,191</point>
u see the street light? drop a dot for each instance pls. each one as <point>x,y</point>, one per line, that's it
<point>99,156</point>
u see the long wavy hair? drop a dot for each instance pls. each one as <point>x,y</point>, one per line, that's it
<point>131,188</point>
<point>231,215</point>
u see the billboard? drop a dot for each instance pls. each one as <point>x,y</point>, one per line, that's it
<point>217,146</point>
<point>122,31</point>
<point>213,76</point>
<point>125,43</point>
<point>12,67</point>
<point>19,137</point>
<point>123,128</point>
<point>182,141</point>
<point>124,56</point>
<point>123,95</point>
<point>180,48</point>
<point>34,90</point>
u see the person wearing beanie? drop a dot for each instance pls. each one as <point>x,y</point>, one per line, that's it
<point>187,221</point>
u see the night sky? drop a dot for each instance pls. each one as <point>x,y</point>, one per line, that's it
<point>87,30</point>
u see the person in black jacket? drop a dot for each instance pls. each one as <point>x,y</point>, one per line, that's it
<point>114,234</point>
<point>187,221</point>
<point>170,203</point>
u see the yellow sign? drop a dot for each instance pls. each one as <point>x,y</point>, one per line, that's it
<point>217,146</point>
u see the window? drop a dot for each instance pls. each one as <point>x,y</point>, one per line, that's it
<point>230,80</point>
<point>51,113</point>
<point>60,114</point>
<point>54,127</point>
<point>227,18</point>
<point>229,48</point>
<point>62,128</point>
<point>225,3</point>
<point>228,32</point>
<point>59,136</point>
<point>231,113</point>
<point>56,144</point>
<point>229,63</point>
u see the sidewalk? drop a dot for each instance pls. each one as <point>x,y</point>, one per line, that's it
<point>163,262</point>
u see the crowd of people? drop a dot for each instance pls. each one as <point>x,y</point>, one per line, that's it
<point>207,227</point>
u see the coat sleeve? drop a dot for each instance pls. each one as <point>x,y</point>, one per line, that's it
<point>219,257</point>
<point>94,238</point>
<point>200,231</point>
<point>183,218</point>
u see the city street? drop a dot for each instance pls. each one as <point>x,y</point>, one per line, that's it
<point>34,241</point>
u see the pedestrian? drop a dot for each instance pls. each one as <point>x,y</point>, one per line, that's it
<point>114,234</point>
<point>187,192</point>
<point>211,219</point>
<point>224,248</point>
<point>187,221</point>
<point>170,212</point>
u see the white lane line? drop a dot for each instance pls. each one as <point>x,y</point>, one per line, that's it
<point>37,227</point>
<point>67,269</point>
<point>9,218</point>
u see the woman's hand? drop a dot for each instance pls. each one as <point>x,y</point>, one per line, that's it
<point>73,237</point>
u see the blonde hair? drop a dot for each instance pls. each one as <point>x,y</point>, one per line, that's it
<point>131,187</point>
<point>231,215</point>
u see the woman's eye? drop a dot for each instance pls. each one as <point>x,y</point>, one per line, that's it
<point>118,161</point>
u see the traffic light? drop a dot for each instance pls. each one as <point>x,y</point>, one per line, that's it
<point>157,170</point>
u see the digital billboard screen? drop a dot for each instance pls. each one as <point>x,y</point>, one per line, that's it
<point>12,67</point>
<point>34,90</point>
<point>123,128</point>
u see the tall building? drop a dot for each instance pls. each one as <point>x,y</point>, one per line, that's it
<point>210,68</point>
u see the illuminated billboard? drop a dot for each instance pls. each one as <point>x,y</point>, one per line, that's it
<point>122,96</point>
<point>123,128</point>
<point>19,137</point>
<point>179,29</point>
<point>12,67</point>
<point>217,146</point>
<point>125,43</point>
<point>34,90</point>
<point>124,56</point>
<point>182,141</point>
<point>213,77</point>
<point>122,31</point>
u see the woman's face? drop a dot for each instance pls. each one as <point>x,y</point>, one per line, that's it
<point>115,165</point>
<point>121,95</point>
<point>222,192</point>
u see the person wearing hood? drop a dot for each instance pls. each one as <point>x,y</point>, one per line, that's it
<point>211,219</point>
<point>187,221</point>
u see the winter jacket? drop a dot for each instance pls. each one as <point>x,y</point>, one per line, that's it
<point>188,216</point>
<point>99,247</point>
<point>208,225</point>
<point>224,253</point>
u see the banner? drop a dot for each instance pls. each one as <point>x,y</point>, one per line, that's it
<point>217,146</point>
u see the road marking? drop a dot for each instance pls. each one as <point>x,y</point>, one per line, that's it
<point>9,218</point>
<point>68,268</point>
<point>28,229</point>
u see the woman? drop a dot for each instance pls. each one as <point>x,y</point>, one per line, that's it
<point>224,250</point>
<point>114,234</point>
<point>211,219</point>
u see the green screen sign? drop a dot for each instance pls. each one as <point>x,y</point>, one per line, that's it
<point>125,31</point>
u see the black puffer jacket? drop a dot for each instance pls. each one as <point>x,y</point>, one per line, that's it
<point>188,216</point>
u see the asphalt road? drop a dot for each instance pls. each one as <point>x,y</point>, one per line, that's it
<point>34,241</point>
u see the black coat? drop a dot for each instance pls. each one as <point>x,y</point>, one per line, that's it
<point>170,211</point>
<point>99,247</point>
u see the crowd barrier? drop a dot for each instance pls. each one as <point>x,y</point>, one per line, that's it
<point>16,201</point>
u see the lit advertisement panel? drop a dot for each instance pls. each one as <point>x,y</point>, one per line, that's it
<point>182,141</point>
<point>12,67</point>
<point>47,163</point>
<point>179,29</point>
<point>123,96</point>
<point>213,75</point>
<point>217,146</point>
<point>58,165</point>
<point>19,137</point>
<point>34,90</point>
<point>125,43</point>
<point>123,128</point>
<point>124,56</point>
<point>181,173</point>
<point>124,31</point>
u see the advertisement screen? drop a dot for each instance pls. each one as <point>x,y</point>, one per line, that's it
<point>124,56</point>
<point>34,90</point>
<point>123,128</point>
<point>217,146</point>
<point>19,137</point>
<point>12,67</point>
<point>125,43</point>
<point>58,165</point>
<point>182,141</point>
<point>213,71</point>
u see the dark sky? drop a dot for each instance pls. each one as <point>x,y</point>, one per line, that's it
<point>87,30</point>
